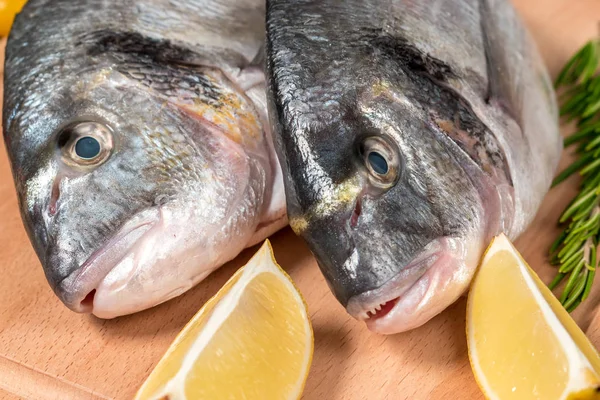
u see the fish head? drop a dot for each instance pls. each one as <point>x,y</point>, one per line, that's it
<point>135,179</point>
<point>383,178</point>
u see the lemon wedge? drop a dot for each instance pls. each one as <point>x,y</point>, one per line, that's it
<point>522,343</point>
<point>252,340</point>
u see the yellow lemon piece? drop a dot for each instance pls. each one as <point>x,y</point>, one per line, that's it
<point>252,340</point>
<point>8,10</point>
<point>522,342</point>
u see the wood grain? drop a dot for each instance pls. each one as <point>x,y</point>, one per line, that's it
<point>48,352</point>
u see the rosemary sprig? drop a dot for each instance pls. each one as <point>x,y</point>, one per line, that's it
<point>575,249</point>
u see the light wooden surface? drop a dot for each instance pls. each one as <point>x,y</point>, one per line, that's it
<point>48,352</point>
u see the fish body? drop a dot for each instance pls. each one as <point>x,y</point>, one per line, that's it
<point>409,133</point>
<point>139,144</point>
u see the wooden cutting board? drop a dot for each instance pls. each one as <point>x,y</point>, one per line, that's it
<point>49,352</point>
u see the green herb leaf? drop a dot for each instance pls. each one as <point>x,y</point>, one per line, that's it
<point>574,251</point>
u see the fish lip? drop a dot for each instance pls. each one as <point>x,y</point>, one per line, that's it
<point>76,286</point>
<point>360,305</point>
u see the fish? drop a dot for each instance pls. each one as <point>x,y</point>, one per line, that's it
<point>409,133</point>
<point>139,143</point>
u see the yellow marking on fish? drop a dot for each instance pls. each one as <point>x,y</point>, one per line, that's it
<point>343,193</point>
<point>380,87</point>
<point>233,115</point>
<point>84,86</point>
<point>39,185</point>
<point>341,196</point>
<point>298,224</point>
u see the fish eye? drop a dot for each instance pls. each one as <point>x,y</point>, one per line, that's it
<point>87,147</point>
<point>381,159</point>
<point>378,163</point>
<point>85,144</point>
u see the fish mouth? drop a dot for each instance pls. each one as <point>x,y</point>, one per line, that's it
<point>427,285</point>
<point>78,289</point>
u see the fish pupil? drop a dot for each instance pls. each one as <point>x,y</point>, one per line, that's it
<point>378,163</point>
<point>87,148</point>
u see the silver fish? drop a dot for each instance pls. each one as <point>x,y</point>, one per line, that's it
<point>409,132</point>
<point>138,139</point>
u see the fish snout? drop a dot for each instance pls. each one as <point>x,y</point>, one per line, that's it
<point>431,282</point>
<point>80,298</point>
<point>345,276</point>
<point>60,265</point>
<point>77,287</point>
<point>376,303</point>
<point>60,268</point>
